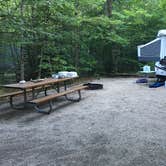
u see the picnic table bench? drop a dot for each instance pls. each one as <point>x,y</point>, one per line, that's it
<point>50,98</point>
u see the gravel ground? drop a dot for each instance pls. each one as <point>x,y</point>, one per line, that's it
<point>122,125</point>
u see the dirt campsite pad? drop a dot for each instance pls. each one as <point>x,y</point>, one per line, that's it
<point>122,125</point>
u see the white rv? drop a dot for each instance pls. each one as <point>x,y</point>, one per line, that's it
<point>155,51</point>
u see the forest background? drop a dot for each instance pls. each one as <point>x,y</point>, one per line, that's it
<point>92,37</point>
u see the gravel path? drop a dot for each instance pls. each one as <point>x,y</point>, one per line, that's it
<point>122,125</point>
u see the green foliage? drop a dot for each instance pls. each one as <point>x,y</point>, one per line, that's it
<point>77,34</point>
<point>60,64</point>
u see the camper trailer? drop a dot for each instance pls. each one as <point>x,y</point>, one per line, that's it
<point>155,51</point>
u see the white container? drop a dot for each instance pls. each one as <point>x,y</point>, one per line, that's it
<point>55,76</point>
<point>146,68</point>
<point>22,82</point>
<point>63,74</point>
<point>72,74</point>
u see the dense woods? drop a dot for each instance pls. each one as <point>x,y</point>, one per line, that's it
<point>41,37</point>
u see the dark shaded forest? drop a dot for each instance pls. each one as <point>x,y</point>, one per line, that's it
<point>41,37</point>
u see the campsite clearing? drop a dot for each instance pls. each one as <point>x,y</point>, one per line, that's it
<point>122,125</point>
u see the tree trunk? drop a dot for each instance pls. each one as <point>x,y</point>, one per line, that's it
<point>77,46</point>
<point>109,7</point>
<point>22,65</point>
<point>77,52</point>
<point>113,54</point>
<point>115,58</point>
<point>40,63</point>
<point>22,68</point>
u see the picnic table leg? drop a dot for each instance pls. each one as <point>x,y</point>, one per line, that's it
<point>11,101</point>
<point>65,86</point>
<point>25,97</point>
<point>33,93</point>
<point>14,106</point>
<point>24,104</point>
<point>79,93</point>
<point>43,111</point>
<point>45,90</point>
<point>58,89</point>
<point>74,100</point>
<point>17,106</point>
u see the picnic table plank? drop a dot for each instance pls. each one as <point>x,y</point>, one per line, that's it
<point>30,84</point>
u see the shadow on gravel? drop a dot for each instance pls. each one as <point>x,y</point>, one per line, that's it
<point>36,115</point>
<point>7,113</point>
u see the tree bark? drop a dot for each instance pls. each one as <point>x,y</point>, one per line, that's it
<point>109,7</point>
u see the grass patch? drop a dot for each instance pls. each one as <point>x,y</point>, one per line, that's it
<point>1,91</point>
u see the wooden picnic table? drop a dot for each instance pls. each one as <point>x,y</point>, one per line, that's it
<point>25,87</point>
